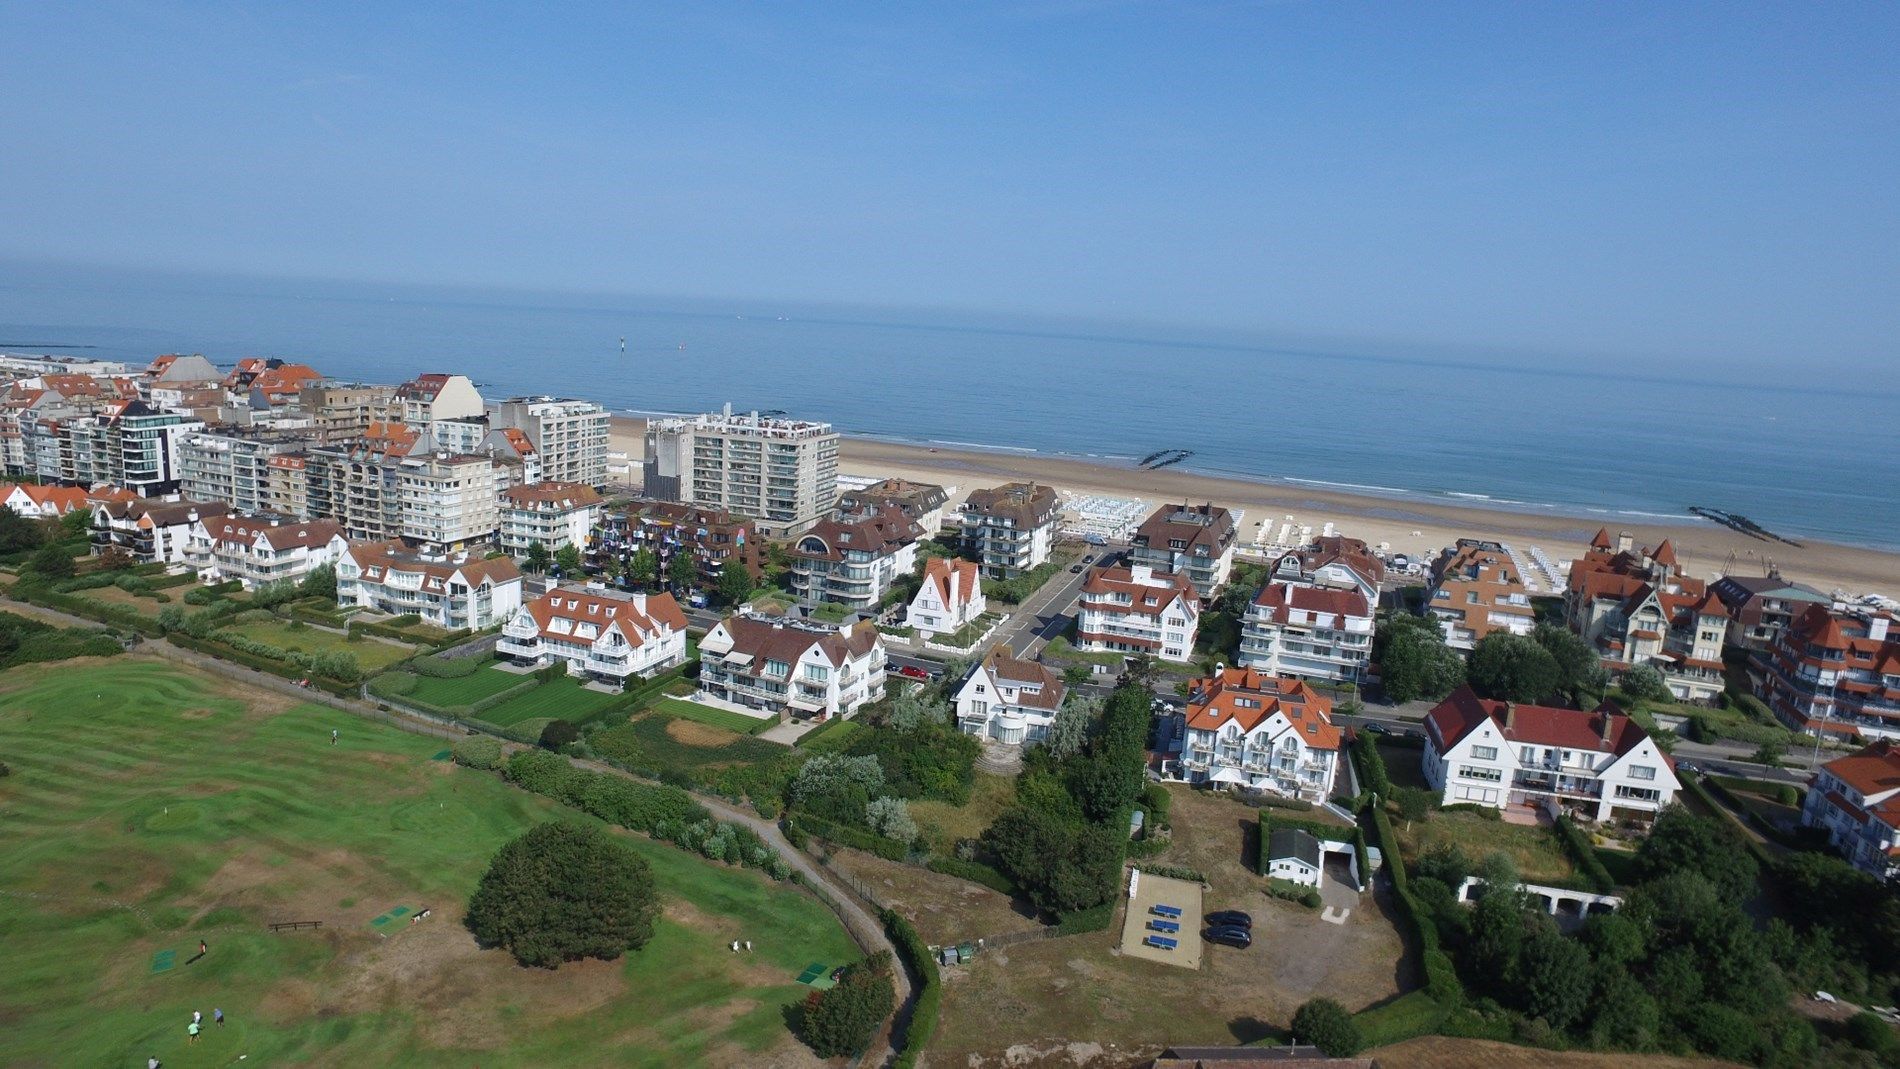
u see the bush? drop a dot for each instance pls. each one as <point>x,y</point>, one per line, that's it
<point>842,1021</point>
<point>562,892</point>
<point>446,668</point>
<point>924,1011</point>
<point>546,774</point>
<point>478,751</point>
<point>1584,854</point>
<point>1289,891</point>
<point>1157,801</point>
<point>558,735</point>
<point>1326,1025</point>
<point>394,684</point>
<point>973,871</point>
<point>1175,872</point>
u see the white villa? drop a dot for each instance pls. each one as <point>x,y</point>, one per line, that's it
<point>1856,800</point>
<point>1261,732</point>
<point>950,597</point>
<point>1505,755</point>
<point>1008,700</point>
<point>454,593</point>
<point>607,637</point>
<point>1138,610</point>
<point>261,551</point>
<point>801,668</point>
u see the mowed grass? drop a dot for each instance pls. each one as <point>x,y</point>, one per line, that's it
<point>151,807</point>
<point>719,718</point>
<point>372,654</point>
<point>1539,857</point>
<point>654,740</point>
<point>487,681</point>
<point>562,697</point>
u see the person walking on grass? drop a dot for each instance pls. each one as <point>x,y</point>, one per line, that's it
<point>192,1031</point>
<point>333,734</point>
<point>196,1016</point>
<point>203,948</point>
<point>217,1016</point>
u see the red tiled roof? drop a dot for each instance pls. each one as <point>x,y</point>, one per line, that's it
<point>939,571</point>
<point>1872,771</point>
<point>1279,598</point>
<point>1573,729</point>
<point>622,614</point>
<point>1163,588</point>
<point>1249,699</point>
<point>64,499</point>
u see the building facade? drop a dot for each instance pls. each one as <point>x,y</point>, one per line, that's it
<point>551,515</point>
<point>1503,755</point>
<point>602,636</point>
<point>1637,608</point>
<point>853,560</point>
<point>1856,801</point>
<point>1760,607</point>
<point>1314,632</point>
<point>950,597</point>
<point>41,502</point>
<point>1261,733</point>
<point>1008,700</point>
<point>454,592</point>
<point>151,531</point>
<point>1010,529</point>
<point>426,399</point>
<point>233,465</point>
<point>783,473</point>
<point>259,551</point>
<point>802,669</point>
<point>569,436</point>
<point>1834,672</point>
<point>923,502</point>
<point>1135,609</point>
<point>716,540</point>
<point>1195,541</point>
<point>1476,590</point>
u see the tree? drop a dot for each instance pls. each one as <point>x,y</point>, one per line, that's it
<point>1326,1025</point>
<point>842,1021</point>
<point>52,561</point>
<point>558,734</point>
<point>643,568</point>
<point>337,664</point>
<point>735,583</point>
<point>1613,939</point>
<point>1513,668</point>
<point>1679,841</point>
<point>911,709</point>
<point>1445,863</point>
<point>681,572</point>
<point>1623,1015</point>
<point>568,559</point>
<point>115,559</point>
<point>171,618</point>
<point>1554,971</point>
<point>1077,674</point>
<point>537,557</point>
<point>319,583</point>
<point>1059,865</point>
<point>890,817</point>
<point>76,524</point>
<point>1069,731</point>
<point>1142,671</point>
<point>1413,660</point>
<point>562,892</point>
<point>1580,673</point>
<point>827,772</point>
<point>1770,753</point>
<point>17,532</point>
<point>1645,683</point>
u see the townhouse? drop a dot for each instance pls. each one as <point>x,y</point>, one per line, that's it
<point>1637,608</point>
<point>1010,529</point>
<point>1195,541</point>
<point>781,472</point>
<point>853,560</point>
<point>259,551</point>
<point>1476,590</point>
<point>151,531</point>
<point>1834,672</point>
<point>716,540</point>
<point>41,502</point>
<point>923,502</point>
<point>1760,607</point>
<point>1596,765</point>
<point>1261,733</point>
<point>601,636</point>
<point>1856,801</point>
<point>551,515</point>
<point>454,592</point>
<point>802,669</point>
<point>1008,700</point>
<point>950,597</point>
<point>1135,609</point>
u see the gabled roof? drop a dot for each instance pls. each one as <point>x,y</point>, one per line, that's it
<point>1027,504</point>
<point>151,512</point>
<point>1004,667</point>
<point>1208,527</point>
<point>1279,600</point>
<point>423,387</point>
<point>1140,586</point>
<point>1873,771</point>
<point>380,559</point>
<point>1293,843</point>
<point>880,533</point>
<point>277,534</point>
<point>563,496</point>
<point>939,573</point>
<point>568,613</point>
<point>1249,698</point>
<point>1350,553</point>
<point>765,639</point>
<point>1605,730</point>
<point>62,499</point>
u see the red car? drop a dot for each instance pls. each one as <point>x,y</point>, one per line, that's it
<point>911,671</point>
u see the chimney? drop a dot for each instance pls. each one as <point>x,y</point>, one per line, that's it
<point>1604,729</point>
<point>1623,541</point>
<point>640,602</point>
<point>1510,715</point>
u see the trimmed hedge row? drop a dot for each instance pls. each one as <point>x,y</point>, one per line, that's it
<point>844,835</point>
<point>115,615</point>
<point>923,1015</point>
<point>1293,892</point>
<point>973,871</point>
<point>1584,854</point>
<point>1092,919</point>
<point>1317,829</point>
<point>1441,976</point>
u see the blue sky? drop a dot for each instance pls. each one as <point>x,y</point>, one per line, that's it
<point>1670,182</point>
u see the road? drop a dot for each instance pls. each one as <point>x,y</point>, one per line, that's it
<point>1046,614</point>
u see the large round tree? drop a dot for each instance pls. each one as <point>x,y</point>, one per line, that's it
<point>562,892</point>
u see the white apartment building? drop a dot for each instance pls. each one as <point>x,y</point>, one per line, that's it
<point>1008,700</point>
<point>1196,541</point>
<point>568,435</point>
<point>950,597</point>
<point>259,551</point>
<point>1503,755</point>
<point>609,637</point>
<point>804,669</point>
<point>453,592</point>
<point>446,502</point>
<point>1261,733</point>
<point>1308,631</point>
<point>549,514</point>
<point>428,398</point>
<point>1138,610</point>
<point>232,465</point>
<point>1856,801</point>
<point>853,560</point>
<point>151,531</point>
<point>1010,529</point>
<point>783,473</point>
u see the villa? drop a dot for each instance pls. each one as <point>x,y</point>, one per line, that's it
<point>1261,732</point>
<point>807,669</point>
<point>950,597</point>
<point>1008,700</point>
<point>608,637</point>
<point>1138,610</point>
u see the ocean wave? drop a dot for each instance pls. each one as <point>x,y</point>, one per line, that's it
<point>986,447</point>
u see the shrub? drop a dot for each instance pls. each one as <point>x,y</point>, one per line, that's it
<point>923,1014</point>
<point>559,734</point>
<point>478,751</point>
<point>545,773</point>
<point>394,684</point>
<point>842,1021</point>
<point>974,871</point>
<point>1175,872</point>
<point>1289,891</point>
<point>1157,801</point>
<point>446,667</point>
<point>1326,1025</point>
<point>561,892</point>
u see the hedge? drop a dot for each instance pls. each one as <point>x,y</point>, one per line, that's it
<point>1157,801</point>
<point>294,673</point>
<point>1175,872</point>
<point>1441,977</point>
<point>1092,919</point>
<point>479,752</point>
<point>973,871</point>
<point>1293,892</point>
<point>115,615</point>
<point>924,1011</point>
<point>1585,855</point>
<point>1362,855</point>
<point>1317,829</point>
<point>1721,812</point>
<point>1370,765</point>
<point>856,838</point>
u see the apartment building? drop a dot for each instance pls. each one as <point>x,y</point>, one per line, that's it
<point>854,559</point>
<point>444,502</point>
<point>341,411</point>
<point>37,502</point>
<point>455,592</point>
<point>1010,529</point>
<point>922,502</point>
<point>569,436</point>
<point>1834,672</point>
<point>233,465</point>
<point>261,550</point>
<point>802,669</point>
<point>551,515</point>
<point>1196,541</point>
<point>1008,700</point>
<point>716,540</point>
<point>126,443</point>
<point>1856,801</point>
<point>1135,609</point>
<point>1476,590</point>
<point>426,399</point>
<point>1333,562</point>
<point>1596,765</point>
<point>1760,607</point>
<point>150,530</point>
<point>287,485</point>
<point>1314,632</point>
<point>781,472</point>
<point>1637,608</point>
<point>1261,733</point>
<point>950,597</point>
<point>604,636</point>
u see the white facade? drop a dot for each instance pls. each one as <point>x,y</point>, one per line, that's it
<point>1138,610</point>
<point>1262,733</point>
<point>428,398</point>
<point>1010,530</point>
<point>608,637</point>
<point>801,668</point>
<point>259,552</point>
<point>1499,755</point>
<point>1856,801</point>
<point>1008,700</point>
<point>569,436</point>
<point>1308,631</point>
<point>550,514</point>
<point>453,593</point>
<point>950,597</point>
<point>781,472</point>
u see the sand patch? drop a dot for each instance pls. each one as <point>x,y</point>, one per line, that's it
<point>694,733</point>
<point>195,714</point>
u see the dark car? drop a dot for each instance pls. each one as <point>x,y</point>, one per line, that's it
<point>1374,728</point>
<point>1090,559</point>
<point>1238,938</point>
<point>1229,918</point>
<point>1076,569</point>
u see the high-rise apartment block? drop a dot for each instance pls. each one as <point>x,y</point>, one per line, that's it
<point>781,472</point>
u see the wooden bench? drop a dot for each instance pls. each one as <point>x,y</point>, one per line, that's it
<point>282,925</point>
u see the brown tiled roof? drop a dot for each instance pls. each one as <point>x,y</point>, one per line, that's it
<point>568,496</point>
<point>423,387</point>
<point>1278,598</point>
<point>1208,525</point>
<point>1028,504</point>
<point>938,571</point>
<point>786,641</point>
<point>1001,665</point>
<point>1162,588</point>
<point>1250,698</point>
<point>879,533</point>
<point>378,559</point>
<point>914,498</point>
<point>1352,553</point>
<point>155,513</point>
<point>241,530</point>
<point>624,614</point>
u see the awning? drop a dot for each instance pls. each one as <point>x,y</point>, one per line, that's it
<point>1229,775</point>
<point>807,704</point>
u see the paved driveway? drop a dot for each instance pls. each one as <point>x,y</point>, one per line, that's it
<point>1336,894</point>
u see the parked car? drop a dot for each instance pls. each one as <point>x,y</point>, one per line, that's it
<point>911,671</point>
<point>1230,918</point>
<point>1374,728</point>
<point>1075,569</point>
<point>1238,938</point>
<point>1090,559</point>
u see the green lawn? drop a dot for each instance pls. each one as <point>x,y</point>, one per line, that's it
<point>1539,857</point>
<point>719,718</point>
<point>562,697</point>
<point>655,742</point>
<point>150,807</point>
<point>830,736</point>
<point>943,824</point>
<point>453,693</point>
<point>373,655</point>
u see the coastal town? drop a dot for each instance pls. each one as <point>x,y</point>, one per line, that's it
<point>1014,718</point>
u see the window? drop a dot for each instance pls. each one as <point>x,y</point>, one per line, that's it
<point>1485,753</point>
<point>1528,755</point>
<point>1488,775</point>
<point>1642,771</point>
<point>1639,794</point>
<point>817,673</point>
<point>777,668</point>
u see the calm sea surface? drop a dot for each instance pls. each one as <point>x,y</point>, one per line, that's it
<point>1820,463</point>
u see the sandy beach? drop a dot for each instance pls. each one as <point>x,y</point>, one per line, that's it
<point>1413,528</point>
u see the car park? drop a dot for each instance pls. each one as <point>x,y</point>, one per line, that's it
<point>1229,918</point>
<point>1238,938</point>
